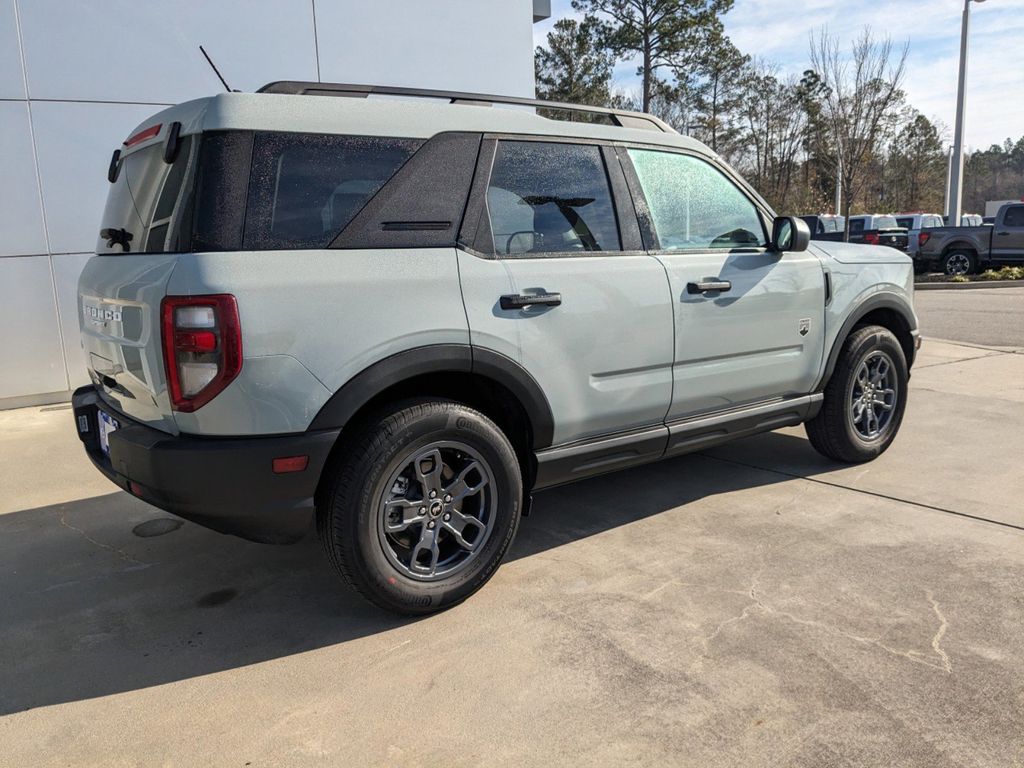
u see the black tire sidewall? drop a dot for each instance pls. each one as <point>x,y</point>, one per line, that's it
<point>859,347</point>
<point>361,543</point>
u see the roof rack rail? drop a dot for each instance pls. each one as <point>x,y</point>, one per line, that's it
<point>620,117</point>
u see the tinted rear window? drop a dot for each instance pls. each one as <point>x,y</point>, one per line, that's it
<point>147,206</point>
<point>905,222</point>
<point>304,188</point>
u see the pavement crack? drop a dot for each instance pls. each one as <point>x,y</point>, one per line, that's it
<point>119,552</point>
<point>943,626</point>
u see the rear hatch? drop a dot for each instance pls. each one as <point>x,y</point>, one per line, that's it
<point>119,292</point>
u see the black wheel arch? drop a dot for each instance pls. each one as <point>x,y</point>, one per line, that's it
<point>445,370</point>
<point>887,310</point>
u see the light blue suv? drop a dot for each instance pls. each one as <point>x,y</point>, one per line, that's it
<point>395,318</point>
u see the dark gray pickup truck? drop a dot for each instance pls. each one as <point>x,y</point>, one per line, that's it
<point>965,250</point>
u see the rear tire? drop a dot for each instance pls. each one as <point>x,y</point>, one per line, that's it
<point>864,400</point>
<point>422,507</point>
<point>957,263</point>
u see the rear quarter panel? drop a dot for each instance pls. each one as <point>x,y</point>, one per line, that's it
<point>313,319</point>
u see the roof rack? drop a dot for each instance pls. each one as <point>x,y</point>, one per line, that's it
<point>620,117</point>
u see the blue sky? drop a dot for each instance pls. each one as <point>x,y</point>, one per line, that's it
<point>779,31</point>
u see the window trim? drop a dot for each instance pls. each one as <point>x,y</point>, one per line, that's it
<point>651,241</point>
<point>476,237</point>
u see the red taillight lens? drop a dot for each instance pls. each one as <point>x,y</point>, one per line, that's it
<point>871,238</point>
<point>202,341</point>
<point>923,238</point>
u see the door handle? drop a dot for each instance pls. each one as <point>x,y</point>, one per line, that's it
<point>720,286</point>
<point>523,300</point>
<point>1003,234</point>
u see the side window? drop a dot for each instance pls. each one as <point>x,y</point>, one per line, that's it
<point>1015,216</point>
<point>304,188</point>
<point>550,198</point>
<point>694,206</point>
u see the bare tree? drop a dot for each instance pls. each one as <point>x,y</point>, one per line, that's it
<point>861,98</point>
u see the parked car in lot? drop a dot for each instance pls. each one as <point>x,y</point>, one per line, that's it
<point>915,223</point>
<point>825,226</point>
<point>965,250</point>
<point>877,229</point>
<point>967,220</point>
<point>392,320</point>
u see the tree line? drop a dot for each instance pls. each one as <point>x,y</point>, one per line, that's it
<point>846,120</point>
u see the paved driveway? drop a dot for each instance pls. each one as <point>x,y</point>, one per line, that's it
<point>752,606</point>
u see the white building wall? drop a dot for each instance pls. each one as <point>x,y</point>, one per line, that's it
<point>75,80</point>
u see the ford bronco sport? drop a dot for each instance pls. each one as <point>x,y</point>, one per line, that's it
<point>396,318</point>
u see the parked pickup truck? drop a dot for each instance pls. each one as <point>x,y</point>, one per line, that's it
<point>868,229</point>
<point>964,250</point>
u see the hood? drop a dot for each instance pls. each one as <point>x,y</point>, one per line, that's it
<point>857,253</point>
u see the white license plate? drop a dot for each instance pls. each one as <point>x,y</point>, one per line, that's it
<point>107,425</point>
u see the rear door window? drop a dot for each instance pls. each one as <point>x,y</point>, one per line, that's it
<point>548,197</point>
<point>304,188</point>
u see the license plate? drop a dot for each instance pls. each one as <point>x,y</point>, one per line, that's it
<point>107,425</point>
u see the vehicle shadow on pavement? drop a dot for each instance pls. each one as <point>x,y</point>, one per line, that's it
<point>90,608</point>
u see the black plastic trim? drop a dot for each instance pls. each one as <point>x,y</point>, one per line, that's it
<point>417,206</point>
<point>872,303</point>
<point>696,434</point>
<point>568,463</point>
<point>171,143</point>
<point>227,484</point>
<point>620,117</point>
<point>440,358</point>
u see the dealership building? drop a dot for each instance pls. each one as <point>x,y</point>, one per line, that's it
<point>75,81</point>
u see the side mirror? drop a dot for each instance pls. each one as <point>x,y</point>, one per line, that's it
<point>790,234</point>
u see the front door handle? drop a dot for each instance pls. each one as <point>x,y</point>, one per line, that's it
<point>710,286</point>
<point>523,300</point>
<point>1003,234</point>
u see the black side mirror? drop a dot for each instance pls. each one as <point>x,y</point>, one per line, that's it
<point>790,234</point>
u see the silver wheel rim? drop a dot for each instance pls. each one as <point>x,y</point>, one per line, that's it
<point>437,510</point>
<point>874,396</point>
<point>958,264</point>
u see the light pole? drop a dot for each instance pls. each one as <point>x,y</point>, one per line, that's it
<point>956,182</point>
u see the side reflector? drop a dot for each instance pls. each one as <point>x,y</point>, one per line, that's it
<point>290,464</point>
<point>135,488</point>
<point>142,135</point>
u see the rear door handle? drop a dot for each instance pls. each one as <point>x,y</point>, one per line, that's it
<point>719,286</point>
<point>523,300</point>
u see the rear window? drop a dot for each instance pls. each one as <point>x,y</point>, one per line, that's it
<point>885,222</point>
<point>906,222</point>
<point>147,206</point>
<point>304,188</point>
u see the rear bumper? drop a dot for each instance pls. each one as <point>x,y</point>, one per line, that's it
<point>227,484</point>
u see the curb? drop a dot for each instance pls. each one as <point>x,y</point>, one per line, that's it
<point>961,286</point>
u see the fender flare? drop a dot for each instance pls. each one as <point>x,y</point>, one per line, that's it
<point>888,301</point>
<point>440,358</point>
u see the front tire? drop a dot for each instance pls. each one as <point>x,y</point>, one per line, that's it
<point>422,507</point>
<point>864,400</point>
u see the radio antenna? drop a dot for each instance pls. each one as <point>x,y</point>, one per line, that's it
<point>215,70</point>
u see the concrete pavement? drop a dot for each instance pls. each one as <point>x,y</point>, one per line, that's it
<point>753,606</point>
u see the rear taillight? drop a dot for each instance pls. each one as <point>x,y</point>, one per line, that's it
<point>923,238</point>
<point>202,341</point>
<point>871,238</point>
